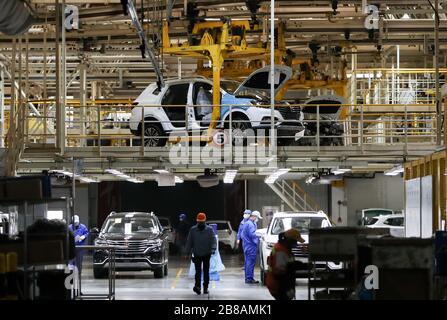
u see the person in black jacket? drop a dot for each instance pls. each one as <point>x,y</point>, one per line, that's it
<point>202,243</point>
<point>181,233</point>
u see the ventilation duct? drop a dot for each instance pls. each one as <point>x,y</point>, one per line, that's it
<point>15,17</point>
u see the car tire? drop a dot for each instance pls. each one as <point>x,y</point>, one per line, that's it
<point>159,273</point>
<point>239,126</point>
<point>100,273</point>
<point>154,135</point>
<point>165,270</point>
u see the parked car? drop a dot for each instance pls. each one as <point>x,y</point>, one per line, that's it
<point>4,223</point>
<point>145,240</point>
<point>283,221</point>
<point>166,224</point>
<point>227,236</point>
<point>370,213</point>
<point>394,222</point>
<point>249,108</point>
<point>330,128</point>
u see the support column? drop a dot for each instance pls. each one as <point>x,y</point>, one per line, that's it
<point>442,192</point>
<point>217,61</point>
<point>438,96</point>
<point>83,100</point>
<point>272,143</point>
<point>60,84</point>
<point>435,174</point>
<point>2,107</point>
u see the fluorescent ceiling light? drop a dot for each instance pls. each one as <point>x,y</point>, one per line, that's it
<point>118,173</point>
<point>87,179</point>
<point>55,214</point>
<point>161,171</point>
<point>310,179</point>
<point>275,175</point>
<point>113,171</point>
<point>76,176</point>
<point>229,176</point>
<point>394,171</point>
<point>342,170</point>
<point>178,179</point>
<point>135,180</point>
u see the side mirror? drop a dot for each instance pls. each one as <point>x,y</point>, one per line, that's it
<point>94,230</point>
<point>261,232</point>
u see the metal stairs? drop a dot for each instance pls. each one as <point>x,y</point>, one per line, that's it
<point>294,196</point>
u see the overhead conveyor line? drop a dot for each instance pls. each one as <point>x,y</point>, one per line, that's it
<point>216,44</point>
<point>132,11</point>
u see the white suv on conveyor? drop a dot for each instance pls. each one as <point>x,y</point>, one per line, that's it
<point>283,221</point>
<point>196,95</point>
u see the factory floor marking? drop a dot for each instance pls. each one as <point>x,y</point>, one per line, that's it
<point>179,273</point>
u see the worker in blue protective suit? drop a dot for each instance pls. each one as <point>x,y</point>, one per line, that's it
<point>80,233</point>
<point>250,245</point>
<point>245,218</point>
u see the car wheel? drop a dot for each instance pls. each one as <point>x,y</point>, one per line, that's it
<point>165,270</point>
<point>159,273</point>
<point>154,136</point>
<point>100,273</point>
<point>239,127</point>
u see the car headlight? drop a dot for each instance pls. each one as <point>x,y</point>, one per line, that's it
<point>100,242</point>
<point>154,245</point>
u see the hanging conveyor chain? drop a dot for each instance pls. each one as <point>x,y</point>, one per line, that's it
<point>132,11</point>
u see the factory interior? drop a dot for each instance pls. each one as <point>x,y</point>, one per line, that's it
<point>147,146</point>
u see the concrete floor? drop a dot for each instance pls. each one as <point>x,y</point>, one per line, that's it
<point>178,285</point>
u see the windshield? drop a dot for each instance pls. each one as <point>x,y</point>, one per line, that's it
<point>164,222</point>
<point>229,85</point>
<point>131,225</point>
<point>371,221</point>
<point>303,224</point>
<point>221,225</point>
<point>368,214</point>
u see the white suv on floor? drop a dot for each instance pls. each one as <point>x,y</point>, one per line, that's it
<point>225,232</point>
<point>283,221</point>
<point>394,222</point>
<point>195,95</point>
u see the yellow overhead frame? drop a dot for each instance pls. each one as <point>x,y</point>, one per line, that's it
<point>236,69</point>
<point>219,41</point>
<point>224,44</point>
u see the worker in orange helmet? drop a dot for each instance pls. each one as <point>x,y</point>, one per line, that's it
<point>280,278</point>
<point>202,243</point>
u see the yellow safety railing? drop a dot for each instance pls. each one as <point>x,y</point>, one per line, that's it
<point>111,125</point>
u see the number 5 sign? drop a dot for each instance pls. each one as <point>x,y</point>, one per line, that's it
<point>372,20</point>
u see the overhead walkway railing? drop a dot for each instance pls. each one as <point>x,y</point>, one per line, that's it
<point>109,127</point>
<point>393,86</point>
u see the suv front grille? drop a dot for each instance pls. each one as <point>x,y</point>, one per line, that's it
<point>133,246</point>
<point>290,113</point>
<point>302,250</point>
